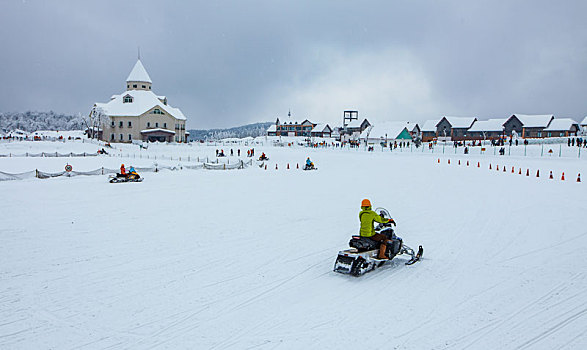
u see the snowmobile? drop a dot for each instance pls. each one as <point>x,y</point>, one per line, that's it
<point>125,178</point>
<point>310,167</point>
<point>263,157</point>
<point>362,256</point>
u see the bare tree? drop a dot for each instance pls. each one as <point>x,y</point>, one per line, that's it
<point>97,119</point>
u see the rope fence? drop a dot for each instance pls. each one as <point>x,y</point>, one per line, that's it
<point>105,171</point>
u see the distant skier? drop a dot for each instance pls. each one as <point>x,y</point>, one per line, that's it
<point>368,218</point>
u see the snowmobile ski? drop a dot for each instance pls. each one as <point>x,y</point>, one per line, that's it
<point>417,257</point>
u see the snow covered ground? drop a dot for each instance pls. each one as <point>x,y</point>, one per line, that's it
<point>240,259</point>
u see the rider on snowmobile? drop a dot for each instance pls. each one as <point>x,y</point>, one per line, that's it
<point>368,217</point>
<point>309,163</point>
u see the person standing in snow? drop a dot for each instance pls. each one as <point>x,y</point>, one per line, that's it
<point>368,217</point>
<point>122,170</point>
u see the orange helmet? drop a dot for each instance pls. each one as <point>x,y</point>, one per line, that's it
<point>122,165</point>
<point>365,203</point>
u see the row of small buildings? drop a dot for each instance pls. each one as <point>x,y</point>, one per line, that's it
<point>444,128</point>
<point>517,125</point>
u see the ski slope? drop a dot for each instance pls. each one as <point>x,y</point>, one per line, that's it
<point>243,259</point>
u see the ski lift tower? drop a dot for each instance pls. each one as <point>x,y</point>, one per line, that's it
<point>349,116</point>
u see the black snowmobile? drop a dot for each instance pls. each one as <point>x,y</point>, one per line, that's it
<point>362,257</point>
<point>263,158</point>
<point>310,167</point>
<point>125,178</point>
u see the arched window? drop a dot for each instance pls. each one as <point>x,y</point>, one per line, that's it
<point>157,111</point>
<point>127,99</point>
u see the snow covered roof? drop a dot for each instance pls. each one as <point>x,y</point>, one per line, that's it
<point>355,124</point>
<point>535,121</point>
<point>584,122</point>
<point>295,122</point>
<point>272,128</point>
<point>390,130</point>
<point>430,125</point>
<point>139,73</point>
<point>143,101</point>
<point>148,131</point>
<point>562,124</point>
<point>321,128</point>
<point>488,125</point>
<point>460,122</point>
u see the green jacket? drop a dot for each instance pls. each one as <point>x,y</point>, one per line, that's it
<point>368,217</point>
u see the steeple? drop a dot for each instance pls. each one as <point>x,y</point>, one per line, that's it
<point>138,79</point>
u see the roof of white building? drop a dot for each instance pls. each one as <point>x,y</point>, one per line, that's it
<point>390,130</point>
<point>535,121</point>
<point>355,123</point>
<point>139,73</point>
<point>561,124</point>
<point>143,101</point>
<point>272,128</point>
<point>321,128</point>
<point>488,125</point>
<point>460,122</point>
<point>584,122</point>
<point>147,131</point>
<point>430,125</point>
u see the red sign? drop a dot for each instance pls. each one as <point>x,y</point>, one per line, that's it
<point>68,168</point>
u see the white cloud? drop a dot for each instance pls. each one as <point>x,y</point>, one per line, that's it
<point>384,85</point>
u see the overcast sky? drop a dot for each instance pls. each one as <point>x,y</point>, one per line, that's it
<point>228,63</point>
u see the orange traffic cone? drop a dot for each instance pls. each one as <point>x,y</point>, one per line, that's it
<point>579,177</point>
<point>287,166</point>
<point>497,167</point>
<point>512,170</point>
<point>265,166</point>
<point>527,172</point>
<point>520,173</point>
<point>489,166</point>
<point>538,173</point>
<point>563,177</point>
<point>438,160</point>
<point>504,169</point>
<point>459,162</point>
<point>550,177</point>
<point>467,163</point>
<point>449,161</point>
<point>275,166</point>
<point>297,165</point>
<point>478,165</point>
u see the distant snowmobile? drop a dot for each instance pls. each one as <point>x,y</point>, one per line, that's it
<point>131,177</point>
<point>362,257</point>
<point>263,157</point>
<point>310,167</point>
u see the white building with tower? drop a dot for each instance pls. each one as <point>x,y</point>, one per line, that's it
<point>138,113</point>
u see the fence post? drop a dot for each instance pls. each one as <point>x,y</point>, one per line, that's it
<point>560,148</point>
<point>55,154</point>
<point>37,173</point>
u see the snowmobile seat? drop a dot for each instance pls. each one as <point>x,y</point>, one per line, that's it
<point>363,243</point>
